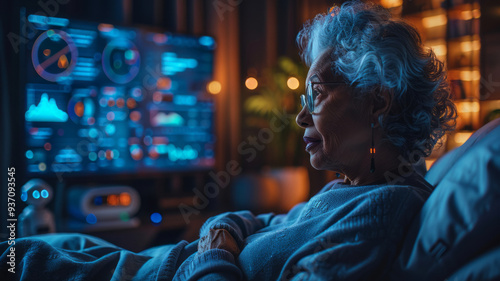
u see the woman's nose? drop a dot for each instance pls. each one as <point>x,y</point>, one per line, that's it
<point>303,119</point>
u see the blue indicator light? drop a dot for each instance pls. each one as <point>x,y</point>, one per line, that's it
<point>44,193</point>
<point>93,133</point>
<point>29,154</point>
<point>42,20</point>
<point>92,156</point>
<point>110,129</point>
<point>192,63</point>
<point>98,201</point>
<point>36,194</point>
<point>129,54</point>
<point>206,41</point>
<point>57,21</point>
<point>24,196</point>
<point>91,219</point>
<point>184,100</point>
<point>156,218</point>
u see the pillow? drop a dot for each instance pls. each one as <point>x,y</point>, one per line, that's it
<point>445,163</point>
<point>486,267</point>
<point>461,219</point>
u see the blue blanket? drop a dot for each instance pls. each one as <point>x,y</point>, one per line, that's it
<point>342,233</point>
<point>83,257</point>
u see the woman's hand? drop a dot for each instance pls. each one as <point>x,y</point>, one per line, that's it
<point>218,239</point>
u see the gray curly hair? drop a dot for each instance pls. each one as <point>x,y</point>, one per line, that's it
<point>375,52</point>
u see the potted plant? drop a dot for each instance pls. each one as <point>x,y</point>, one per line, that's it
<point>279,94</point>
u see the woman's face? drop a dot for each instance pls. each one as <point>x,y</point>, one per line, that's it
<point>338,134</point>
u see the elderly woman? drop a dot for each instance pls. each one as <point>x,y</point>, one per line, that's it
<point>376,101</point>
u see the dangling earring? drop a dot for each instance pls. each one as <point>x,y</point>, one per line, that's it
<point>337,175</point>
<point>372,152</point>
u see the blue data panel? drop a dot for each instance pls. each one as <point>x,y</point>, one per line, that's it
<point>102,99</point>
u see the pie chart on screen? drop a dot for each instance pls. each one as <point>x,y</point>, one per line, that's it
<point>54,55</point>
<point>121,61</point>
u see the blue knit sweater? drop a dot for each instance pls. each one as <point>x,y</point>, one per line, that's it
<point>342,233</point>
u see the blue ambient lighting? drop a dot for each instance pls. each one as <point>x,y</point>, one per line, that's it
<point>29,154</point>
<point>98,201</point>
<point>93,133</point>
<point>92,156</point>
<point>156,218</point>
<point>91,219</point>
<point>48,20</point>
<point>110,129</point>
<point>206,41</point>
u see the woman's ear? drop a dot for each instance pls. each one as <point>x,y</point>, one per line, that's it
<point>382,103</point>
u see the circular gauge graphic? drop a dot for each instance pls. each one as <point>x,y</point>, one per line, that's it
<point>81,110</point>
<point>120,61</point>
<point>54,55</point>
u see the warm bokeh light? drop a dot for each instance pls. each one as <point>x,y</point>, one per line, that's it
<point>136,154</point>
<point>434,21</point>
<point>292,83</point>
<point>131,103</point>
<point>113,200</point>
<point>104,27</point>
<point>468,46</point>
<point>79,109</point>
<point>214,87</point>
<point>251,83</point>
<point>467,107</point>
<point>461,137</point>
<point>110,116</point>
<point>62,62</point>
<point>391,3</point>
<point>160,38</point>
<point>468,15</point>
<point>467,75</point>
<point>164,83</point>
<point>135,116</point>
<point>157,97</point>
<point>125,199</point>
<point>42,167</point>
<point>476,13</point>
<point>439,50</point>
<point>429,162</point>
<point>109,154</point>
<point>120,102</point>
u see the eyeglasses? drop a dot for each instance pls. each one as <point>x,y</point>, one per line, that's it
<point>311,94</point>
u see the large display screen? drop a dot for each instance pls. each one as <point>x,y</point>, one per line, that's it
<point>102,99</point>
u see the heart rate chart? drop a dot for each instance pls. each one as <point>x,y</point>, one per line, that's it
<point>121,61</point>
<point>54,55</point>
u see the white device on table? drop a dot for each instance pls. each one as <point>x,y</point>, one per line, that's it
<point>35,218</point>
<point>102,207</point>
